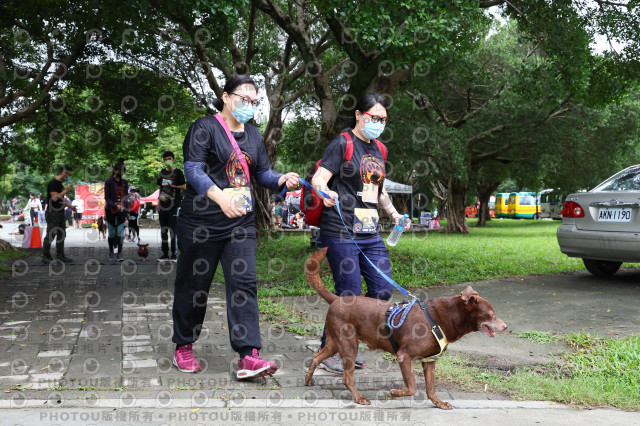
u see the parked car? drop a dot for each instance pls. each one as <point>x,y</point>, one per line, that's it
<point>602,226</point>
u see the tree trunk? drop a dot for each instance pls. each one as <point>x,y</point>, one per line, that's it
<point>272,137</point>
<point>263,208</point>
<point>5,245</point>
<point>442,205</point>
<point>456,197</point>
<point>484,195</point>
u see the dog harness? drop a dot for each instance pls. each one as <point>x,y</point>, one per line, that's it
<point>435,328</point>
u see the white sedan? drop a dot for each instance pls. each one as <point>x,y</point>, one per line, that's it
<point>602,226</point>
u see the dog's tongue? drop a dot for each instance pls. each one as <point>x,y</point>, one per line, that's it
<point>488,330</point>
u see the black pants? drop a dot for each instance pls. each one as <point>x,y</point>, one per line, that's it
<point>33,213</point>
<point>55,229</point>
<point>115,226</point>
<point>196,265</point>
<point>168,230</point>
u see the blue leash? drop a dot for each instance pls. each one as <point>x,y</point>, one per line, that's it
<point>385,276</point>
<point>402,310</point>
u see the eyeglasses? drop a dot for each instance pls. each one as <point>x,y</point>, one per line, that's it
<point>247,100</point>
<point>376,119</point>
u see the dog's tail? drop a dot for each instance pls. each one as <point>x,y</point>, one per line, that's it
<point>312,270</point>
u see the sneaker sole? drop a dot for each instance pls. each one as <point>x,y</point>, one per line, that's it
<point>250,374</point>
<point>331,370</point>
<point>183,370</point>
<point>363,365</point>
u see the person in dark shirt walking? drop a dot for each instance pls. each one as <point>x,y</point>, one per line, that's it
<point>358,183</point>
<point>56,223</point>
<point>171,182</point>
<point>115,189</point>
<point>223,154</point>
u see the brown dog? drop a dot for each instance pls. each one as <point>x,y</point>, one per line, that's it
<point>353,318</point>
<point>102,228</point>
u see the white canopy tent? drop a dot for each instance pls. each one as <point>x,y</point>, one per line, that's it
<point>398,188</point>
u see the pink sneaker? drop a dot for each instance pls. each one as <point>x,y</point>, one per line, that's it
<point>252,366</point>
<point>185,361</point>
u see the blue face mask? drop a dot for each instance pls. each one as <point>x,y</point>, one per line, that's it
<point>372,130</point>
<point>67,179</point>
<point>243,112</point>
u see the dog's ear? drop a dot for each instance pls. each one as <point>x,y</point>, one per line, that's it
<point>469,296</point>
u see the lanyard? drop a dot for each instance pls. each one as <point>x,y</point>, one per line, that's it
<point>236,148</point>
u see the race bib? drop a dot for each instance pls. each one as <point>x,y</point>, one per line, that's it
<point>240,197</point>
<point>370,193</point>
<point>365,220</point>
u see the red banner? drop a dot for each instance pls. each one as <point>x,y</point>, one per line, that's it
<point>93,196</point>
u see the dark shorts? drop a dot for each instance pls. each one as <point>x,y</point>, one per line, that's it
<point>77,216</point>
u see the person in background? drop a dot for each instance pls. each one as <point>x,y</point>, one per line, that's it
<point>134,209</point>
<point>68,213</point>
<point>56,200</point>
<point>78,203</point>
<point>277,214</point>
<point>33,207</point>
<point>171,181</point>
<point>285,213</point>
<point>14,211</point>
<point>42,220</point>
<point>115,189</point>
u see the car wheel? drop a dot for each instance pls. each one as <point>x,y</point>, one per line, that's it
<point>601,268</point>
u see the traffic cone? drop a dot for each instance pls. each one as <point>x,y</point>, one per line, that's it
<point>36,238</point>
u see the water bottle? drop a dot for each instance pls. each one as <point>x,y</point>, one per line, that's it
<point>396,233</point>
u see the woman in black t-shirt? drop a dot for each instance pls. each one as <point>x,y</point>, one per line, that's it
<point>217,224</point>
<point>355,175</point>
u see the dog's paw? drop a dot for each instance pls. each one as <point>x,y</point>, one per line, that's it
<point>395,393</point>
<point>363,401</point>
<point>309,381</point>
<point>444,405</point>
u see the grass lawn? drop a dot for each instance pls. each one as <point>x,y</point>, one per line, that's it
<point>505,248</point>
<point>6,258</point>
<point>596,372</point>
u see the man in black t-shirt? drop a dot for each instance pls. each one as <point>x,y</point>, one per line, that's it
<point>55,215</point>
<point>171,181</point>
